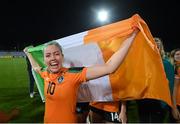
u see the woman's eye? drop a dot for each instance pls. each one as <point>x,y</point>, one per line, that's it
<point>47,56</point>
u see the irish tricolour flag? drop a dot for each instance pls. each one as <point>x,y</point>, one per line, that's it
<point>141,75</point>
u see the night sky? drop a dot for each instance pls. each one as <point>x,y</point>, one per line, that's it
<point>30,22</point>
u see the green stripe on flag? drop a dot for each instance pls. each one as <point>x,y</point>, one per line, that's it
<point>37,53</point>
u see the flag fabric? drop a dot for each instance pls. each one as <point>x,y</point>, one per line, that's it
<point>141,75</point>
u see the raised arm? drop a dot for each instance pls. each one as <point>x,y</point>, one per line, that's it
<point>113,63</point>
<point>34,64</point>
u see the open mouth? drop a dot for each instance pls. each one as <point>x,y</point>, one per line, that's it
<point>54,65</point>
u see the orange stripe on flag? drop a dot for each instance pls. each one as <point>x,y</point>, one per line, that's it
<point>141,75</point>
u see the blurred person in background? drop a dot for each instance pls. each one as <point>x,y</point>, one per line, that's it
<point>176,92</point>
<point>156,111</point>
<point>169,70</point>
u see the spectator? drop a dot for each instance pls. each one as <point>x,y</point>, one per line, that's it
<point>176,92</point>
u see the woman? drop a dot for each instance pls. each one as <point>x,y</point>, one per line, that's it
<point>176,92</point>
<point>61,84</point>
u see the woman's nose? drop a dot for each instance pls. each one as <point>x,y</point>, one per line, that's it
<point>52,57</point>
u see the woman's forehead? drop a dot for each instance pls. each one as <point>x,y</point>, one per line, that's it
<point>51,48</point>
<point>177,52</point>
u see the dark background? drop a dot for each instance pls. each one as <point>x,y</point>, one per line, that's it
<point>35,22</point>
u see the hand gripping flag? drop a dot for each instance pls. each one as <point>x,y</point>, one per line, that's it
<point>141,75</point>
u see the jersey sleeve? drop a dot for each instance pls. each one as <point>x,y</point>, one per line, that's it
<point>79,74</point>
<point>83,75</point>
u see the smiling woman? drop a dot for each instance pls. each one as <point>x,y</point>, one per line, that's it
<point>53,57</point>
<point>61,84</point>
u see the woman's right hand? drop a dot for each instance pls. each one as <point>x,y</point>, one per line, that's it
<point>26,48</point>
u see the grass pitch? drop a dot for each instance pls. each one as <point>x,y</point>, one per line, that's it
<point>14,91</point>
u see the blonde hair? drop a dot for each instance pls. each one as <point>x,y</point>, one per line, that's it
<point>55,44</point>
<point>161,49</point>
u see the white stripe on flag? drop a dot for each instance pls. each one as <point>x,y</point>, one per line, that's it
<point>88,55</point>
<point>72,40</point>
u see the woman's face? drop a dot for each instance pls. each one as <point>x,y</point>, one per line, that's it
<point>177,56</point>
<point>53,58</point>
<point>159,45</point>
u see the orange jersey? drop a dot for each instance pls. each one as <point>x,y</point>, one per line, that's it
<point>177,76</point>
<point>61,94</point>
<point>178,95</point>
<point>106,106</point>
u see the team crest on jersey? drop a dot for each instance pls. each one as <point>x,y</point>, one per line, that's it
<point>60,79</point>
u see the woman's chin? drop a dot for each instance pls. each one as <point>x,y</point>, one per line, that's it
<point>54,70</point>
